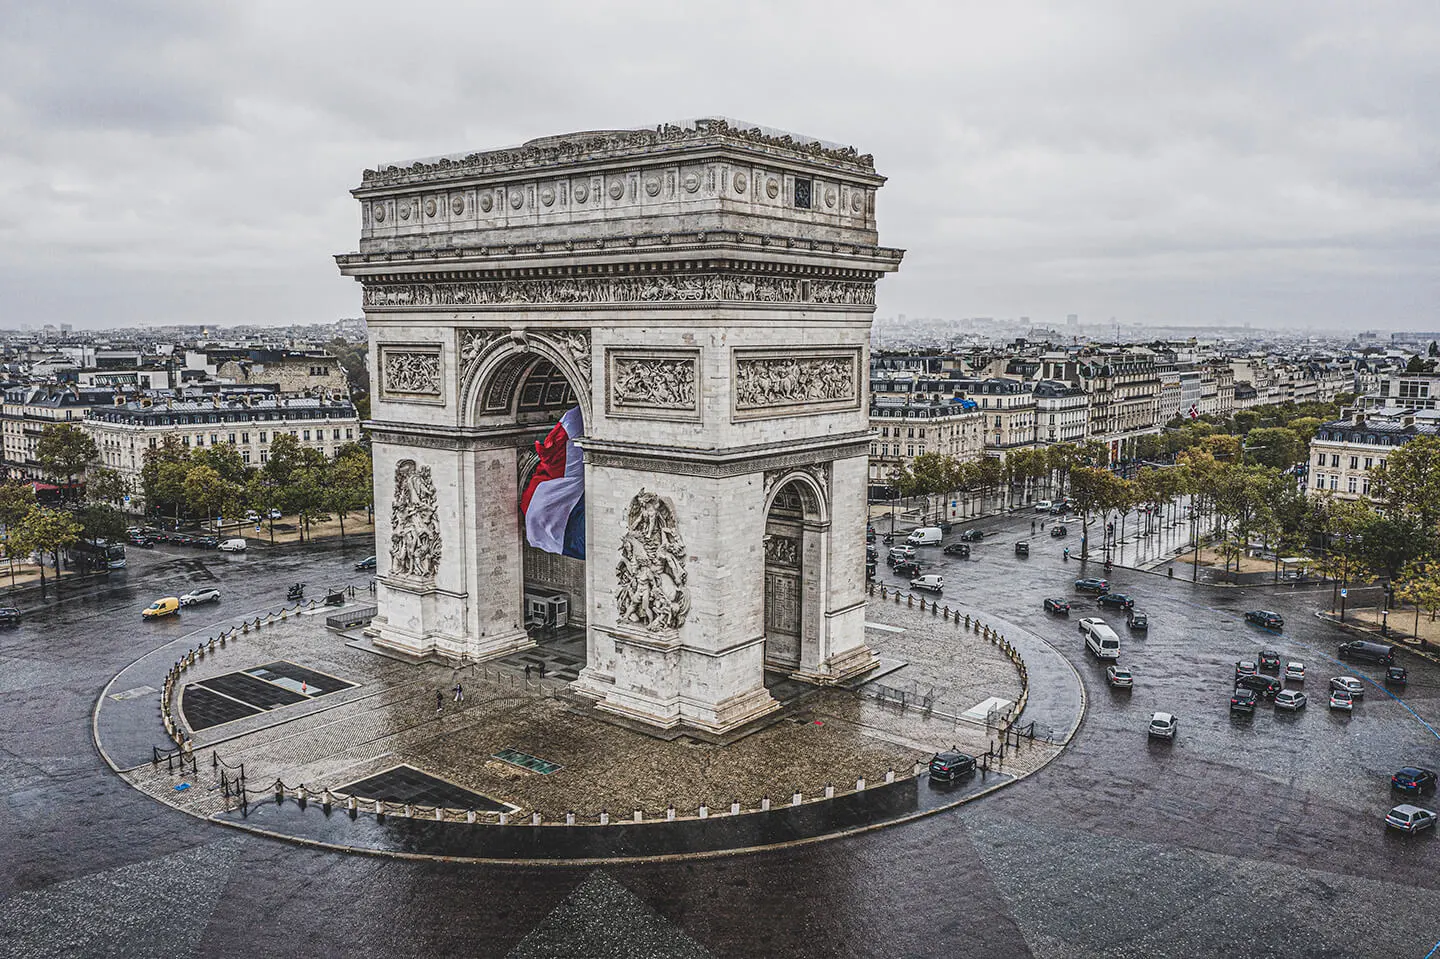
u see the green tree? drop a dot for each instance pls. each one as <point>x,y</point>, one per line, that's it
<point>64,451</point>
<point>46,530</point>
<point>17,501</point>
<point>1274,446</point>
<point>1409,482</point>
<point>225,460</point>
<point>1420,584</point>
<point>1391,543</point>
<point>1093,490</point>
<point>100,521</point>
<point>348,485</point>
<point>1245,421</point>
<point>1305,427</point>
<point>162,476</point>
<point>105,485</point>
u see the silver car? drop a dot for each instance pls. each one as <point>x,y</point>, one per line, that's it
<point>1295,671</point>
<point>1349,684</point>
<point>1291,699</point>
<point>206,594</point>
<point>1340,699</point>
<point>1163,726</point>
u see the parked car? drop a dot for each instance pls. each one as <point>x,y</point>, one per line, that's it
<point>1294,672</point>
<point>233,546</point>
<point>1092,586</point>
<point>162,607</point>
<point>1163,726</point>
<point>947,767</point>
<point>141,540</point>
<point>1340,699</point>
<point>1057,606</point>
<point>276,514</point>
<point>204,542</point>
<point>252,516</point>
<point>1263,617</point>
<point>1267,686</point>
<point>1396,675</point>
<point>924,536</point>
<point>1115,601</point>
<point>1269,660</point>
<point>931,582</point>
<point>1022,549</point>
<point>1407,818</point>
<point>1363,651</point>
<point>972,536</point>
<point>1243,700</point>
<point>961,550</point>
<point>1245,668</point>
<point>1058,530</point>
<point>1413,779</point>
<point>369,563</point>
<point>898,553</point>
<point>205,594</point>
<point>1137,620</point>
<point>9,616</point>
<point>1350,684</point>
<point>1119,678</point>
<point>907,567</point>
<point>1291,699</point>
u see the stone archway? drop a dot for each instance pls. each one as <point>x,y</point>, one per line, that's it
<point>796,530</point>
<point>706,293</point>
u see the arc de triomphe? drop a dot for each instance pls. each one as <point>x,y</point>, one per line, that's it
<point>703,293</point>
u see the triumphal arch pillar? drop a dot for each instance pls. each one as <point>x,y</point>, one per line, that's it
<point>702,295</point>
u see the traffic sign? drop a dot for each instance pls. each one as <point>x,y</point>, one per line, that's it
<point>1344,592</point>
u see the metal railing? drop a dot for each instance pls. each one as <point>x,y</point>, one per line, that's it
<point>351,618</point>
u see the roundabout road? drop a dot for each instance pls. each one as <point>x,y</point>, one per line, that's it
<point>1248,837</point>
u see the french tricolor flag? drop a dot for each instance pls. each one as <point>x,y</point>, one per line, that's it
<point>553,503</point>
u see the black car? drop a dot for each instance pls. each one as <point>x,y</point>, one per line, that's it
<point>1263,617</point>
<point>1092,586</point>
<point>1242,700</point>
<point>1269,660</point>
<point>9,616</point>
<point>1115,601</point>
<point>366,563</point>
<point>1396,675</point>
<point>958,549</point>
<point>1369,652</point>
<point>141,540</point>
<point>1058,530</point>
<point>871,552</point>
<point>1057,606</point>
<point>972,536</point>
<point>1022,549</point>
<point>1414,780</point>
<point>1266,686</point>
<point>907,567</point>
<point>1136,620</point>
<point>947,767</point>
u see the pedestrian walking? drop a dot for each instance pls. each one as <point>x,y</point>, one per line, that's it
<point>1032,527</point>
<point>527,672</point>
<point>459,693</point>
<point>439,702</point>
<point>542,669</point>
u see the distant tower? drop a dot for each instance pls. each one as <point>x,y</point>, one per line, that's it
<point>1072,320</point>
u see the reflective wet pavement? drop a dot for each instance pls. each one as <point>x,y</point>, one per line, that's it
<point>1248,837</point>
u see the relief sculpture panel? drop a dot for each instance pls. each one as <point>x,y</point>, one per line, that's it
<point>655,384</point>
<point>776,383</point>
<point>414,523</point>
<point>684,288</point>
<point>411,374</point>
<point>651,578</point>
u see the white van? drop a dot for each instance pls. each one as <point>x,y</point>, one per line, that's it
<point>1100,639</point>
<point>924,536</point>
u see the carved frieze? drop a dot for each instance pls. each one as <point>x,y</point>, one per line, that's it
<point>411,373</point>
<point>651,578</point>
<point>681,288</point>
<point>473,344</point>
<point>654,383</point>
<point>782,551</point>
<point>414,523</point>
<point>794,382</point>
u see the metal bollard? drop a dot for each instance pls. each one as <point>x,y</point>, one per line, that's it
<point>638,817</point>
<point>470,815</point>
<point>604,818</point>
<point>860,784</point>
<point>796,798</point>
<point>569,818</point>
<point>670,813</point>
<point>534,819</point>
<point>439,814</point>
<point>735,808</point>
<point>504,819</point>
<point>704,811</point>
<point>829,791</point>
<point>890,775</point>
<point>764,803</point>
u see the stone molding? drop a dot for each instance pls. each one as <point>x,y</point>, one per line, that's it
<point>412,373</point>
<point>690,462</point>
<point>612,144</point>
<point>653,384</point>
<point>818,471</point>
<point>799,382</point>
<point>718,287</point>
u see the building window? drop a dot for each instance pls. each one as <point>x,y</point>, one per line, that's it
<point>245,456</point>
<point>350,434</point>
<point>1366,487</point>
<point>185,440</point>
<point>1333,480</point>
<point>1334,461</point>
<point>263,440</point>
<point>1354,464</point>
<point>232,439</point>
<point>1351,484</point>
<point>307,436</point>
<point>910,450</point>
<point>802,193</point>
<point>244,438</point>
<point>335,434</point>
<point>1369,461</point>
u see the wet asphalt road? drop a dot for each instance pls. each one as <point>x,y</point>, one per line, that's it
<point>1246,837</point>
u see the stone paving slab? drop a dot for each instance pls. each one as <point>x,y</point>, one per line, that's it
<point>833,737</point>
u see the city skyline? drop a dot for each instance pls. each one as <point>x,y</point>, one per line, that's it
<point>1202,164</point>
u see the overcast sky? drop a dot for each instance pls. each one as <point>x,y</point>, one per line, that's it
<point>1261,161</point>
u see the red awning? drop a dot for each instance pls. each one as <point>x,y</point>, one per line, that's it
<point>39,486</point>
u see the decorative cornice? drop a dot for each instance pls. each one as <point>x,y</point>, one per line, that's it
<point>614,144</point>
<point>700,463</point>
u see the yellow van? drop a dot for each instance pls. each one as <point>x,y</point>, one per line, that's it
<point>162,607</point>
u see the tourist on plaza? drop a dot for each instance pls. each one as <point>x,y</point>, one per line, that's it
<point>439,702</point>
<point>459,693</point>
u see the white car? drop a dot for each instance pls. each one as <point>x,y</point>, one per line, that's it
<point>1295,671</point>
<point>233,546</point>
<point>206,594</point>
<point>1291,699</point>
<point>1340,699</point>
<point>251,515</point>
<point>1163,726</point>
<point>1349,684</point>
<point>931,582</point>
<point>1043,506</point>
<point>1119,677</point>
<point>276,514</point>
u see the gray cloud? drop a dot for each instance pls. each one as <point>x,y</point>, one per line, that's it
<point>1186,162</point>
